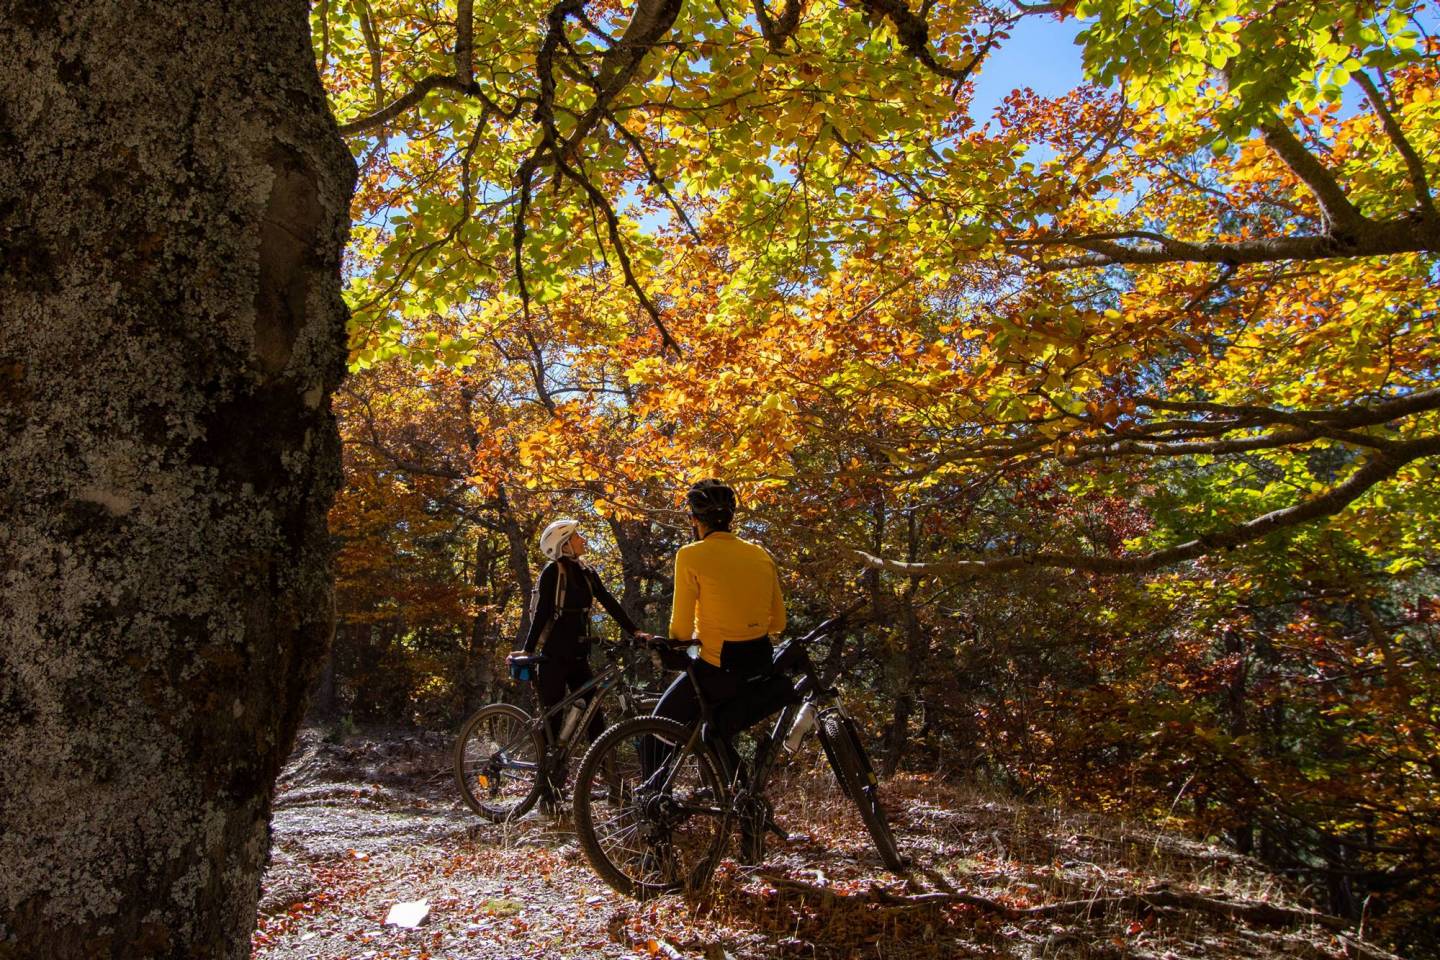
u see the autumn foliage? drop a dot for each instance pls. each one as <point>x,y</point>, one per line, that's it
<point>1120,406</point>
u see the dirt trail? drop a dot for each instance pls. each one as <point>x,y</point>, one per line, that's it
<point>374,821</point>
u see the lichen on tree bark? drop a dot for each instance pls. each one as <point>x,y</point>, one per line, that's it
<point>173,207</point>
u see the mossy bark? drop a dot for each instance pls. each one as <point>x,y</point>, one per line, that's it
<point>173,207</point>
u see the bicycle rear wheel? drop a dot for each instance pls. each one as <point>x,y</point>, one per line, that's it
<point>857,778</point>
<point>643,838</point>
<point>497,762</point>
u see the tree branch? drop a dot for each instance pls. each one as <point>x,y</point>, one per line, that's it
<point>1108,448</point>
<point>1250,911</point>
<point>372,46</point>
<point>1339,213</point>
<point>1354,416</point>
<point>612,223</point>
<point>465,41</point>
<point>415,95</point>
<point>462,81</point>
<point>1379,467</point>
<point>777,30</point>
<point>1369,239</point>
<point>914,34</point>
<point>651,20</point>
<point>655,179</point>
<point>1416,167</point>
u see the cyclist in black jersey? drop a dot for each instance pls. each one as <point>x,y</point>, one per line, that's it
<point>560,619</point>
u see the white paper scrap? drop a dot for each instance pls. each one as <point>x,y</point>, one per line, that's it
<point>410,914</point>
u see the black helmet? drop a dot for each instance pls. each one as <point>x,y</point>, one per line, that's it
<point>711,502</point>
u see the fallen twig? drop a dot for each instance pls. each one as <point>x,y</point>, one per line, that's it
<point>1357,947</point>
<point>1264,914</point>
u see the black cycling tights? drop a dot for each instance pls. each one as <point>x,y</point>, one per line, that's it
<point>743,690</point>
<point>559,675</point>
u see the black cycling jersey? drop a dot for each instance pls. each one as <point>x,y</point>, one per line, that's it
<point>569,632</point>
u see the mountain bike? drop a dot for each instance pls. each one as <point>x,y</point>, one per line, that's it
<point>655,801</point>
<point>506,761</point>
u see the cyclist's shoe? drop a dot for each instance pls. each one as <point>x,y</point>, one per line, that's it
<point>756,817</point>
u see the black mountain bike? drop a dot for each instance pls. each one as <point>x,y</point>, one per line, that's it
<point>506,761</point>
<point>654,802</point>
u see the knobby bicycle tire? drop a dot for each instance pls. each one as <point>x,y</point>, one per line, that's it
<point>634,848</point>
<point>857,779</point>
<point>499,773</point>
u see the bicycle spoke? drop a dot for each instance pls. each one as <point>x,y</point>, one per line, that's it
<point>497,761</point>
<point>642,837</point>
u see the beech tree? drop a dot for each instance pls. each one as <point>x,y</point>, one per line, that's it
<point>173,206</point>
<point>819,157</point>
<point>1161,351</point>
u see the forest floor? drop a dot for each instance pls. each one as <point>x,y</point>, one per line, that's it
<point>375,820</point>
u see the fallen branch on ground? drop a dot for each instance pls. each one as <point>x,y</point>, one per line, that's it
<point>1264,914</point>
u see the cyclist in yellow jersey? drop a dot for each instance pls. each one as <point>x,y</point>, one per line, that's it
<point>727,597</point>
<point>727,591</point>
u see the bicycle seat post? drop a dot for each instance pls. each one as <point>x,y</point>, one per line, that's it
<point>705,709</point>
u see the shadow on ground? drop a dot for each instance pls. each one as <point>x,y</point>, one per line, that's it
<point>375,820</point>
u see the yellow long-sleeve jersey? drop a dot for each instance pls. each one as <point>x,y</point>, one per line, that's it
<point>725,589</point>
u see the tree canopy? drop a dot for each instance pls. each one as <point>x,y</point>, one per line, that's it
<point>1178,324</point>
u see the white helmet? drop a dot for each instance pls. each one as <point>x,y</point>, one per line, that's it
<point>556,536</point>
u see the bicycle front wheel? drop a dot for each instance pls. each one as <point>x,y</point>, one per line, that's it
<point>857,778</point>
<point>650,815</point>
<point>497,762</point>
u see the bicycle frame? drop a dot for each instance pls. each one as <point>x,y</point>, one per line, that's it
<point>795,657</point>
<point>596,688</point>
<point>699,775</point>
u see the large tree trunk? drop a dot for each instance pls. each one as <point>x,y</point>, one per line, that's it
<point>173,206</point>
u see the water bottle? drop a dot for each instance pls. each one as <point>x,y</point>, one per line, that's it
<point>804,723</point>
<point>572,719</point>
